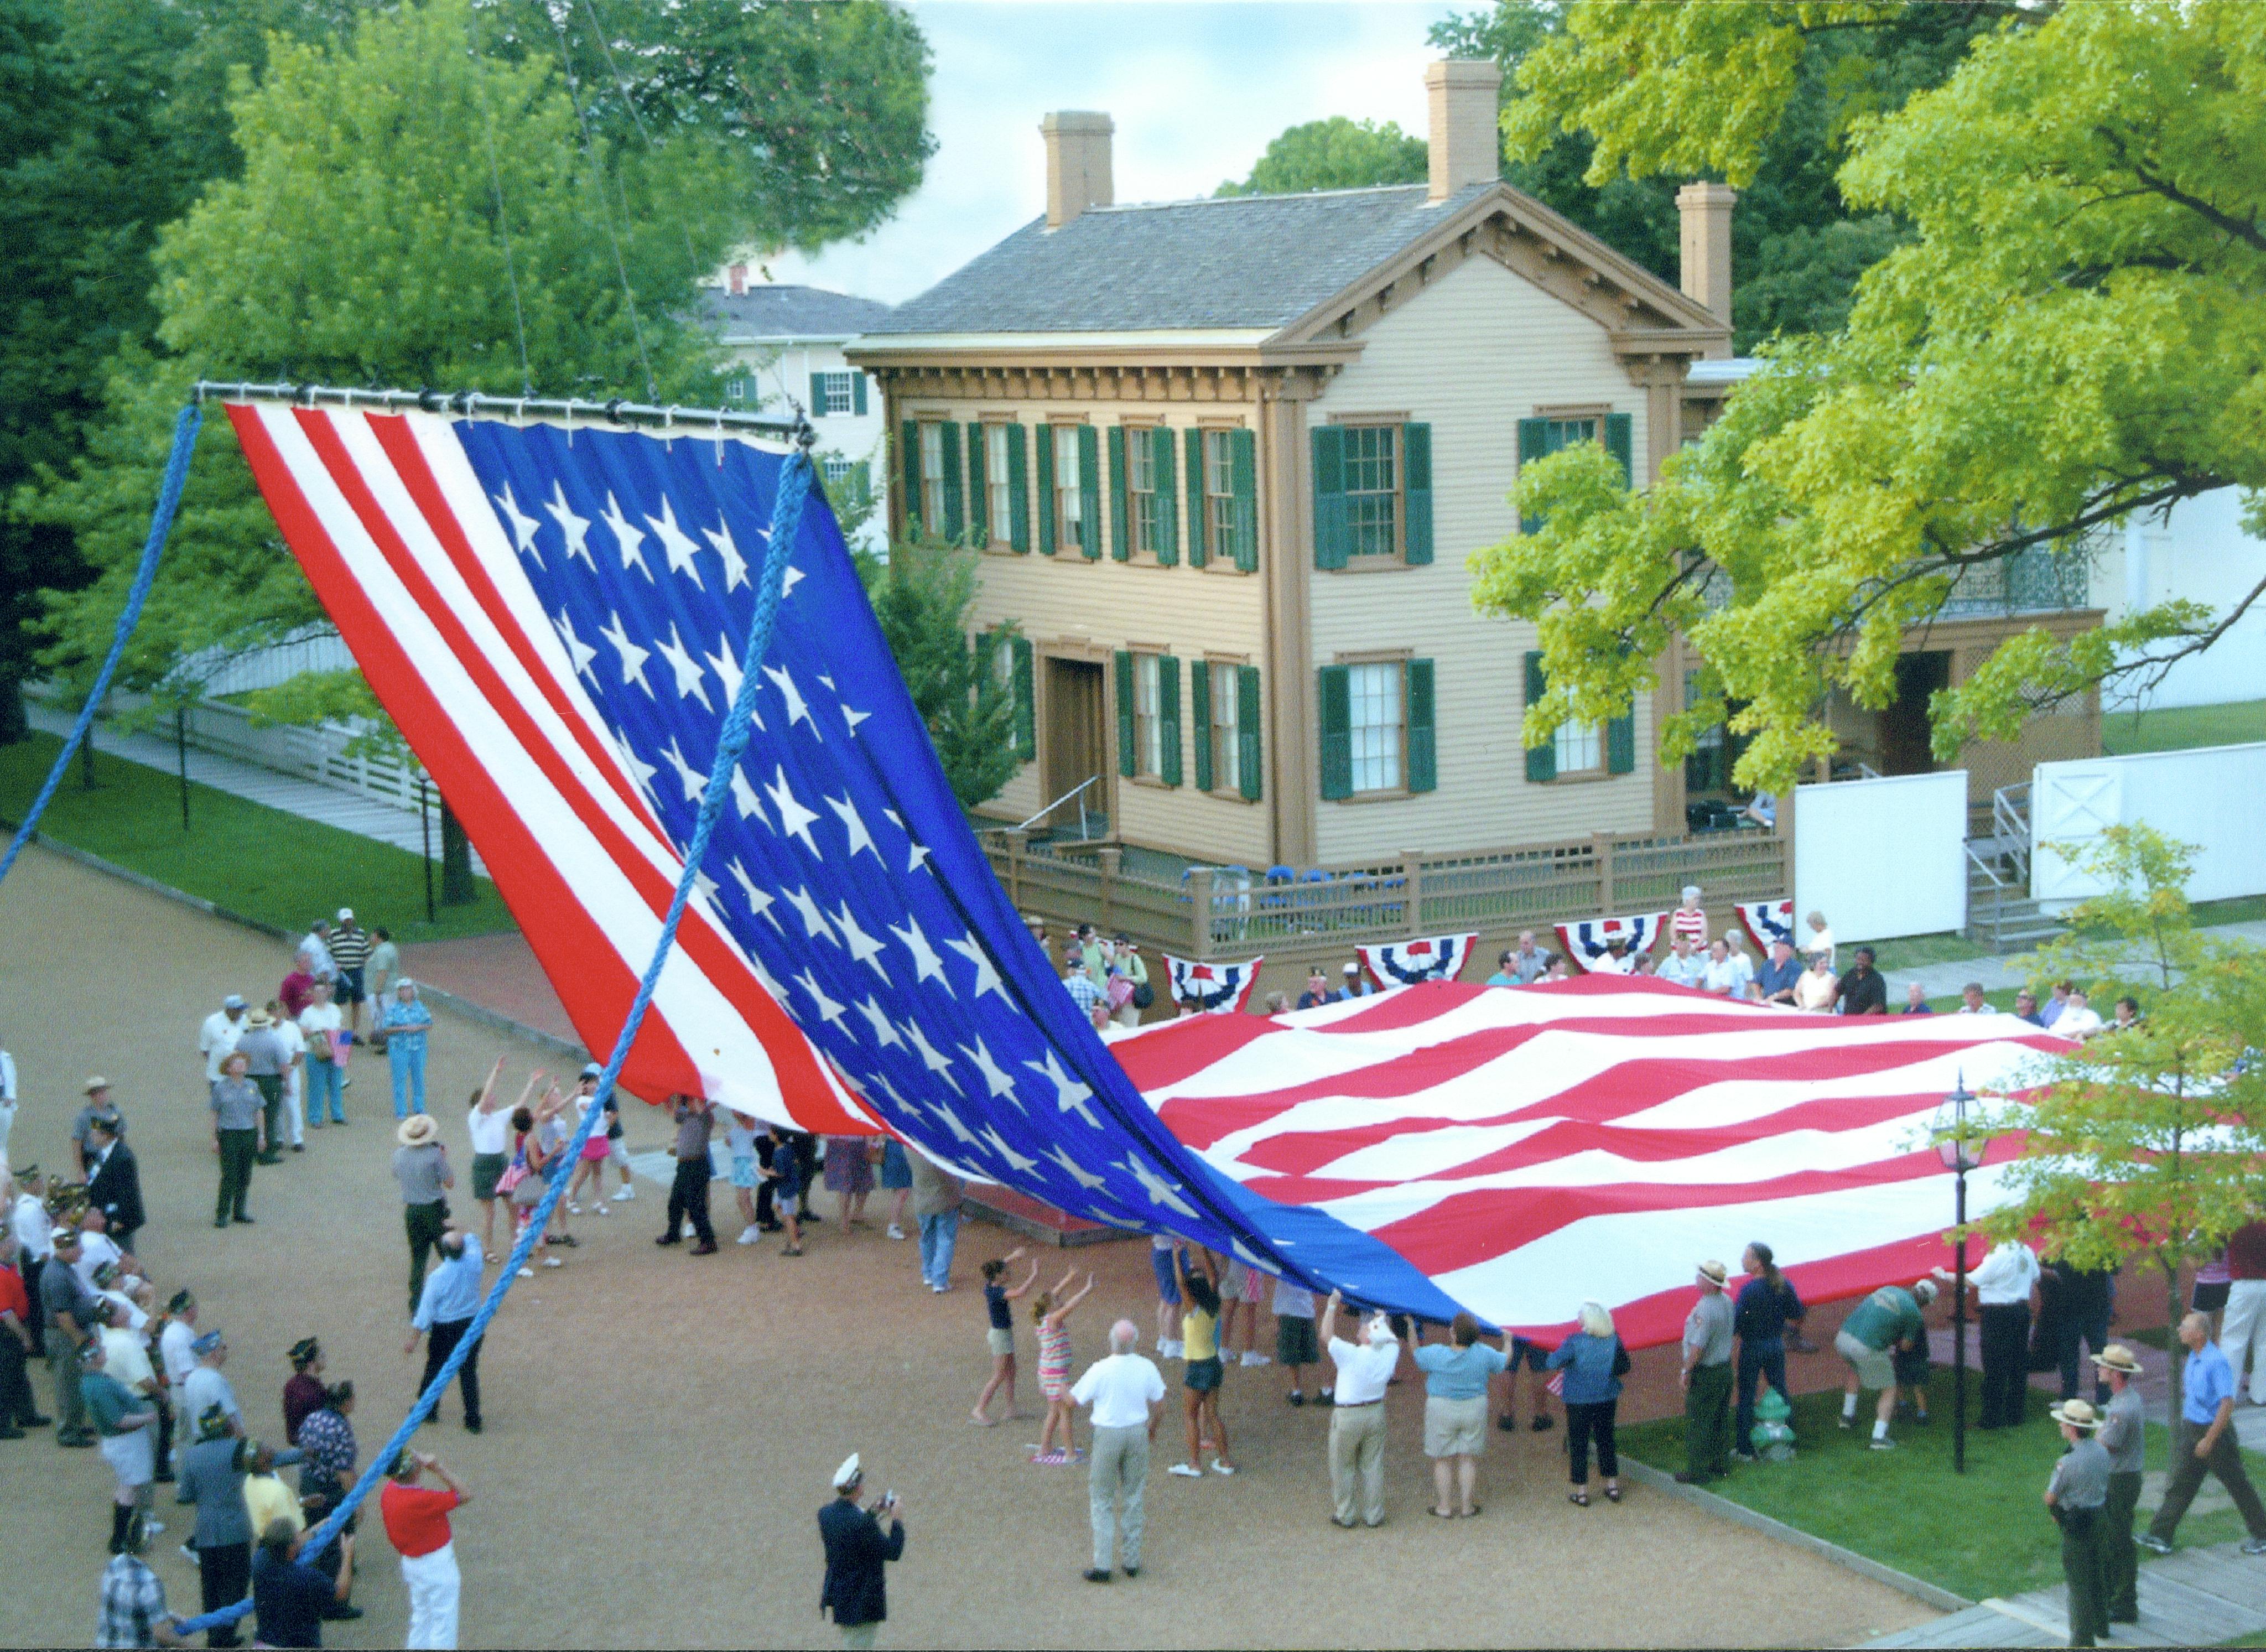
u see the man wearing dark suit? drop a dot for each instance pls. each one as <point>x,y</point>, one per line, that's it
<point>113,1184</point>
<point>856,1588</point>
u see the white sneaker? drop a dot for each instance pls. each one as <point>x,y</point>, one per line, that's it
<point>1219,1467</point>
<point>1176,1349</point>
<point>896,1231</point>
<point>1185,1471</point>
<point>548,1261</point>
<point>624,1194</point>
<point>573,1209</point>
<point>600,1209</point>
<point>527,1273</point>
<point>751,1233</point>
<point>1251,1356</point>
<point>152,1528</point>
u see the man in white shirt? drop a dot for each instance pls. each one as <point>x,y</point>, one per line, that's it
<point>317,950</point>
<point>1125,1391</point>
<point>218,1039</point>
<point>1972,1001</point>
<point>2077,1019</point>
<point>1682,966</point>
<point>1357,1420</point>
<point>321,1077</point>
<point>177,1359</point>
<point>293,1074</point>
<point>2003,1285</point>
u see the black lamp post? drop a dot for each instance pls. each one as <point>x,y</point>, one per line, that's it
<point>1960,1153</point>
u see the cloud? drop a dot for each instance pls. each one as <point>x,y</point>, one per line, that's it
<point>1197,90</point>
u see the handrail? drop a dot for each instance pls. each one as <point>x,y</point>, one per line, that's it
<point>1057,803</point>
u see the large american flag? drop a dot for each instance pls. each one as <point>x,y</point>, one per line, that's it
<point>557,618</point>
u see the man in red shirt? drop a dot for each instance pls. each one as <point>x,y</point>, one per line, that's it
<point>417,1525</point>
<point>2242,1333</point>
<point>16,1407</point>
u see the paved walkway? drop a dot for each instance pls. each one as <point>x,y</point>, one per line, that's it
<point>309,799</point>
<point>1945,980</point>
<point>2195,1597</point>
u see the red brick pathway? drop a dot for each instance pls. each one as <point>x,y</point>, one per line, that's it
<point>496,972</point>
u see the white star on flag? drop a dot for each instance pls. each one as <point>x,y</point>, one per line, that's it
<point>853,718</point>
<point>813,916</point>
<point>744,795</point>
<point>1070,1095</point>
<point>863,946</point>
<point>997,1080</point>
<point>577,529</point>
<point>828,1009</point>
<point>795,820</point>
<point>694,781</point>
<point>728,672</point>
<point>1014,1159</point>
<point>674,544</point>
<point>691,681</point>
<point>1078,1173</point>
<point>926,962</point>
<point>577,650</point>
<point>641,772</point>
<point>935,1059</point>
<point>987,978</point>
<point>884,1032</point>
<point>1159,1190</point>
<point>859,837</point>
<point>920,850</point>
<point>759,899</point>
<point>633,658</point>
<point>735,566</point>
<point>796,711</point>
<point>523,525</point>
<point>629,540</point>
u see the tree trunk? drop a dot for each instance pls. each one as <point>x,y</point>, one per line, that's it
<point>456,886</point>
<point>2173,1315</point>
<point>13,725</point>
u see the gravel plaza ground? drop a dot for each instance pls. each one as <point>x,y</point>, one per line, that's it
<point>661,1429</point>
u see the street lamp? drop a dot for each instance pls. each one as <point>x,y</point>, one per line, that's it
<point>1961,1152</point>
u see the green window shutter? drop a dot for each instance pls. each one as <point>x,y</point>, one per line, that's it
<point>1168,718</point>
<point>1332,534</point>
<point>1129,761</point>
<point>1120,542</point>
<point>908,467</point>
<point>1027,733</point>
<point>1200,722</point>
<point>858,394</point>
<point>1089,492</point>
<point>1046,440</point>
<point>1424,746</point>
<point>1018,490</point>
<point>1620,432</point>
<point>1416,491</point>
<point>1620,743</point>
<point>1533,443</point>
<point>817,394</point>
<point>1199,524</point>
<point>1244,454</point>
<point>987,657</point>
<point>1248,715</point>
<point>1335,700</point>
<point>979,489</point>
<point>1541,761</point>
<point>1168,488</point>
<point>956,522</point>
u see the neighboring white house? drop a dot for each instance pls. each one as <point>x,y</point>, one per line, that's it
<point>788,342</point>
<point>2201,554</point>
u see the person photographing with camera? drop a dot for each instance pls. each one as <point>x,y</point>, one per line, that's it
<point>856,1548</point>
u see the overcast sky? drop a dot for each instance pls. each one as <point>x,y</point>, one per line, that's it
<point>1196,91</point>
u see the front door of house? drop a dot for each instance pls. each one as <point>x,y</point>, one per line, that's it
<point>1905,729</point>
<point>1075,744</point>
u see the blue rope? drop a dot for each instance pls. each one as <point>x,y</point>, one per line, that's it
<point>786,519</point>
<point>161,524</point>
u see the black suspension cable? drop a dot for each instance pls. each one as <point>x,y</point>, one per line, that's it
<point>503,220</point>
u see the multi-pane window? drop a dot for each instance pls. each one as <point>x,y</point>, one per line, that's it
<point>1070,511</point>
<point>1219,490</point>
<point>931,476</point>
<point>1581,746</point>
<point>739,391</point>
<point>837,469</point>
<point>1373,486</point>
<point>1224,733</point>
<point>1561,434</point>
<point>1378,725</point>
<point>999,506</point>
<point>836,392</point>
<point>1148,716</point>
<point>1144,510</point>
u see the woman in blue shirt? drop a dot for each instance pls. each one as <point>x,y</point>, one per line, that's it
<point>1594,1364</point>
<point>1455,1374</point>
<point>403,1024</point>
<point>1767,1305</point>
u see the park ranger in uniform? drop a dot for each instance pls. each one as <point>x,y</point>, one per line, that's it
<point>2123,1435</point>
<point>2075,1495</point>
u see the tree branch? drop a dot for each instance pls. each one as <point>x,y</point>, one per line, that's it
<point>2244,230</point>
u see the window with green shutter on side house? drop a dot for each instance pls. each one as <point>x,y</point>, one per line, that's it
<point>1542,436</point>
<point>1088,442</point>
<point>1005,655</point>
<point>911,492</point>
<point>1155,725</point>
<point>956,518</point>
<point>1577,749</point>
<point>1372,495</point>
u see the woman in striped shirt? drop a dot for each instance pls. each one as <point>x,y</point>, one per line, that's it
<point>1052,1311</point>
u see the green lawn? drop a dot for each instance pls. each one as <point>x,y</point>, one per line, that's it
<point>2180,728</point>
<point>1986,1534</point>
<point>255,861</point>
<point>1911,951</point>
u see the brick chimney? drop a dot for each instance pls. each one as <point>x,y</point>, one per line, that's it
<point>1078,164</point>
<point>1466,148</point>
<point>1703,270</point>
<point>735,279</point>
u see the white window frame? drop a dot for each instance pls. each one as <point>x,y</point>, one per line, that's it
<point>834,385</point>
<point>1226,731</point>
<point>1219,491</point>
<point>998,498</point>
<point>1362,534</point>
<point>1070,503</point>
<point>1376,725</point>
<point>1144,513</point>
<point>1148,721</point>
<point>1580,749</point>
<point>932,475</point>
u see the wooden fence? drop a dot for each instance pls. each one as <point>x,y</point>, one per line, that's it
<point>1209,914</point>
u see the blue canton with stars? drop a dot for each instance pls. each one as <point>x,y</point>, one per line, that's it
<point>843,866</point>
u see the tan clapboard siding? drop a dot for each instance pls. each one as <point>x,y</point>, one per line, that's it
<point>1105,605</point>
<point>1472,354</point>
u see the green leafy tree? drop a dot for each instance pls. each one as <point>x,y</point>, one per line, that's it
<point>2139,1144</point>
<point>1334,154</point>
<point>921,595</point>
<point>2072,333</point>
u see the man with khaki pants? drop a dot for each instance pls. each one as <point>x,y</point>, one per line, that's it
<point>1357,1424</point>
<point>1125,1391</point>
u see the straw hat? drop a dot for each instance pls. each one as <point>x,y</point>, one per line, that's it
<point>95,1082</point>
<point>417,1130</point>
<point>1715,1273</point>
<point>2117,1357</point>
<point>2077,1413</point>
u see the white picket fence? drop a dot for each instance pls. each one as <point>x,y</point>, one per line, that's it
<point>316,753</point>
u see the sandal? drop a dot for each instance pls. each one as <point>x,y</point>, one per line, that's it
<point>1474,1511</point>
<point>1613,1494</point>
<point>792,1250</point>
<point>1579,1499</point>
<point>1444,1514</point>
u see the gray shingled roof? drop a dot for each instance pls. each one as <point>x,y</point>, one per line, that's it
<point>1239,261</point>
<point>790,312</point>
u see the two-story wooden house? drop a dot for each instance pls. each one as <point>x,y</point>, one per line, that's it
<point>1228,458</point>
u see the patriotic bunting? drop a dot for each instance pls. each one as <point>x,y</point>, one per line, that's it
<point>1218,988</point>
<point>1584,944</point>
<point>1403,963</point>
<point>1767,921</point>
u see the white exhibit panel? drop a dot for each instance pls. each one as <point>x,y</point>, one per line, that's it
<point>2208,799</point>
<point>1883,858</point>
